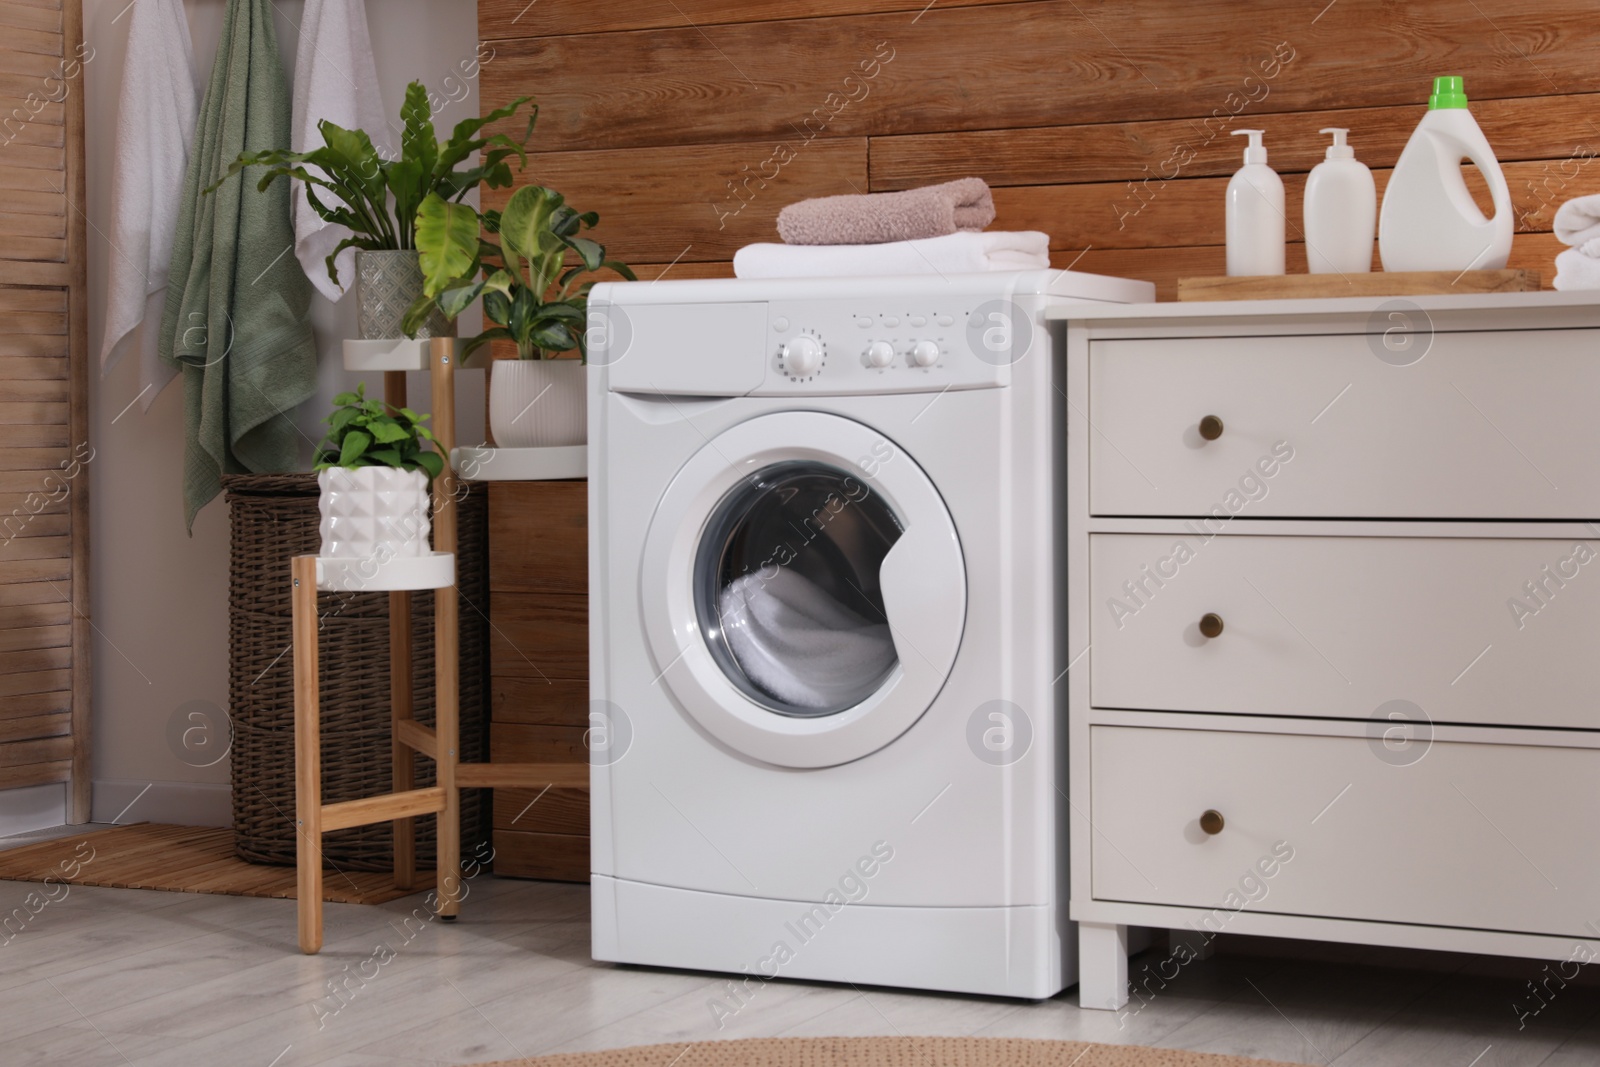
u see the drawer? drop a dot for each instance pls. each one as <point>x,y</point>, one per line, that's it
<point>1340,626</point>
<point>1472,835</point>
<point>1485,425</point>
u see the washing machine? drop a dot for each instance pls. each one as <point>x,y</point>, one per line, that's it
<point>828,645</point>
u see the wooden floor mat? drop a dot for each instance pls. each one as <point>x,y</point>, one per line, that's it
<point>184,859</point>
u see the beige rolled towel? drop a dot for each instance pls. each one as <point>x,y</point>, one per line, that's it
<point>876,218</point>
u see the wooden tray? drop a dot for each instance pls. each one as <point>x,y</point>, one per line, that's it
<point>1374,283</point>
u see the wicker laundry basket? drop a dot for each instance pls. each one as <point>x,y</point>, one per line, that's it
<point>274,517</point>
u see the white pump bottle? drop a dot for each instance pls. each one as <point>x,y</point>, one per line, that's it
<point>1255,217</point>
<point>1340,212</point>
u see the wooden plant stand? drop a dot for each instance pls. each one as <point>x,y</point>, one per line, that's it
<point>410,738</point>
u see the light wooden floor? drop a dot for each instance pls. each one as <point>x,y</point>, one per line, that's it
<point>124,977</point>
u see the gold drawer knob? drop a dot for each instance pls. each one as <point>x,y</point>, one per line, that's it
<point>1211,821</point>
<point>1211,624</point>
<point>1211,427</point>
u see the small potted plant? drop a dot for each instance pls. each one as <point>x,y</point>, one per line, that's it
<point>348,183</point>
<point>531,297</point>
<point>374,474</point>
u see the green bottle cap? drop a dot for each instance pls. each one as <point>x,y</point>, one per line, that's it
<point>1447,92</point>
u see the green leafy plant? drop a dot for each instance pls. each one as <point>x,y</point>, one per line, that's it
<point>371,433</point>
<point>352,185</point>
<point>531,296</point>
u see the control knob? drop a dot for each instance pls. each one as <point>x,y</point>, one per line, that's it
<point>880,354</point>
<point>924,354</point>
<point>802,356</point>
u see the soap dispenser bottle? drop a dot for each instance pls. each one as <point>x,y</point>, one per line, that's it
<point>1255,214</point>
<point>1429,219</point>
<point>1341,210</point>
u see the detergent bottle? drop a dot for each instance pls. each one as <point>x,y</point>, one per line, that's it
<point>1429,220</point>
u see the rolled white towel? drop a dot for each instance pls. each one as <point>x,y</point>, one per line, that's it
<point>798,643</point>
<point>1578,220</point>
<point>1579,268</point>
<point>956,253</point>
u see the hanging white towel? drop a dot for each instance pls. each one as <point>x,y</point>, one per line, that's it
<point>799,644</point>
<point>155,129</point>
<point>956,253</point>
<point>335,78</point>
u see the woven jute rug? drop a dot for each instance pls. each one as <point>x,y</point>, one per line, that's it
<point>182,859</point>
<point>890,1052</point>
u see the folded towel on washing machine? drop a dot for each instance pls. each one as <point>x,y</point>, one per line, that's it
<point>875,218</point>
<point>956,253</point>
<point>800,645</point>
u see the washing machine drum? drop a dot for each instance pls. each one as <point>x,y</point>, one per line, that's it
<point>804,601</point>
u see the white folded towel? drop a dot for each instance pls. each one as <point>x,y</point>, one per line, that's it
<point>799,644</point>
<point>335,78</point>
<point>156,113</point>
<point>956,253</point>
<point>1579,268</point>
<point>1578,220</point>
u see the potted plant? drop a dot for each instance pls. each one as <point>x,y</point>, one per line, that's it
<point>348,183</point>
<point>374,474</point>
<point>531,297</point>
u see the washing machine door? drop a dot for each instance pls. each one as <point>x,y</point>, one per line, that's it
<point>803,589</point>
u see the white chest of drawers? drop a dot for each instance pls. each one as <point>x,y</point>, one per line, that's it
<point>1334,573</point>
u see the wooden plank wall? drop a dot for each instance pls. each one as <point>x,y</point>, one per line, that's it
<point>687,125</point>
<point>44,448</point>
<point>539,671</point>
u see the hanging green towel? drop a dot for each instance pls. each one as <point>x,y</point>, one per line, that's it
<point>236,321</point>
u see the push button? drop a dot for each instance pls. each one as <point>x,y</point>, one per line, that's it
<point>891,321</point>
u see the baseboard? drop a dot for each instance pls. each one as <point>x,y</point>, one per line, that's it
<point>34,807</point>
<point>179,803</point>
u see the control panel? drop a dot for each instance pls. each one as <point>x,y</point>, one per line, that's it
<point>836,347</point>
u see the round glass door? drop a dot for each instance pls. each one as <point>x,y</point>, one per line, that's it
<point>803,612</point>
<point>787,588</point>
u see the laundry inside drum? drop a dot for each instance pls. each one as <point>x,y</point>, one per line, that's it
<point>787,588</point>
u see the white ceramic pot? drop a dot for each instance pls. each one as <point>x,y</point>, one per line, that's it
<point>538,403</point>
<point>374,512</point>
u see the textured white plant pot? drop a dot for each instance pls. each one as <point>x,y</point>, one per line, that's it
<point>374,512</point>
<point>538,403</point>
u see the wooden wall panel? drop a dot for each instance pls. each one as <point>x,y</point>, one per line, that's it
<point>538,538</point>
<point>1028,64</point>
<point>658,205</point>
<point>1104,123</point>
<point>519,18</point>
<point>538,637</point>
<point>539,671</point>
<point>557,811</point>
<point>44,631</point>
<point>557,857</point>
<point>551,702</point>
<point>1529,128</point>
